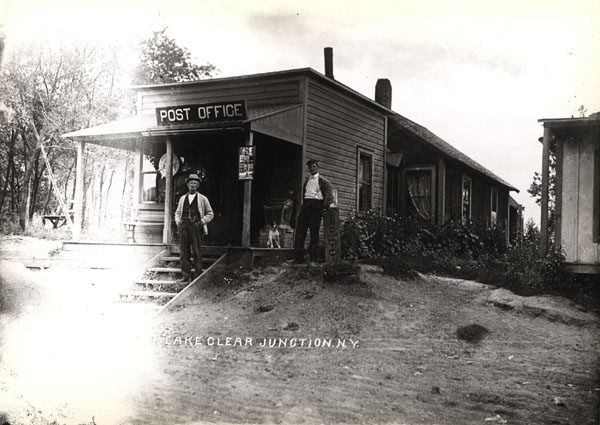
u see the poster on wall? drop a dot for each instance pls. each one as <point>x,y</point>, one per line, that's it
<point>246,162</point>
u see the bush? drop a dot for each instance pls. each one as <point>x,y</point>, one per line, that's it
<point>371,235</point>
<point>468,251</point>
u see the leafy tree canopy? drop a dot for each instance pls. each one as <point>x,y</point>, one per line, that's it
<point>48,91</point>
<point>162,60</point>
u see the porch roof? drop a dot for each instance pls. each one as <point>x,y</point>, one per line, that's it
<point>565,127</point>
<point>260,118</point>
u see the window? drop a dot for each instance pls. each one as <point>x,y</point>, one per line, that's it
<point>365,180</point>
<point>420,183</point>
<point>494,207</point>
<point>467,197</point>
<point>149,177</point>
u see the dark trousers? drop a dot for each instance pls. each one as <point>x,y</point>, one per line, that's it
<point>309,218</point>
<point>190,234</point>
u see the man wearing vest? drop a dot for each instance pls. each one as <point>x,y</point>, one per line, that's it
<point>317,195</point>
<point>192,216</point>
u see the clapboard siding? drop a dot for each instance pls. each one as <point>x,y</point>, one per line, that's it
<point>577,199</point>
<point>478,200</point>
<point>481,197</point>
<point>334,147</point>
<point>337,125</point>
<point>346,172</point>
<point>502,207</point>
<point>450,210</point>
<point>587,248</point>
<point>570,200</point>
<point>350,117</point>
<point>254,93</point>
<point>256,99</point>
<point>288,124</point>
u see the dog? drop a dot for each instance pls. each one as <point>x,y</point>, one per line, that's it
<point>273,241</point>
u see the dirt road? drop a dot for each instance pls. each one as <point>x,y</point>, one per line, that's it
<point>394,355</point>
<point>280,345</point>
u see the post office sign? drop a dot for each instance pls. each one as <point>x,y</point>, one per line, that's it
<point>205,113</point>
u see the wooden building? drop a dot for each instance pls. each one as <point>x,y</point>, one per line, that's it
<point>576,143</point>
<point>431,181</point>
<point>288,117</point>
<point>375,158</point>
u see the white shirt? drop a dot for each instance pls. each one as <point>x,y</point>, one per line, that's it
<point>191,198</point>
<point>313,191</point>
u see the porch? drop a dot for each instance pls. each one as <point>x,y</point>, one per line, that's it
<point>248,193</point>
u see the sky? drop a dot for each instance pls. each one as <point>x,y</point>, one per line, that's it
<point>479,74</point>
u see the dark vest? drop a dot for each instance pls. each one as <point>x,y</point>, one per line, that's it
<point>190,212</point>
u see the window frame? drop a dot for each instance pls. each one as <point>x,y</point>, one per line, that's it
<point>143,174</point>
<point>432,169</point>
<point>360,151</point>
<point>466,178</point>
<point>494,194</point>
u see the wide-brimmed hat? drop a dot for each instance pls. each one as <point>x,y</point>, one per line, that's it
<point>193,177</point>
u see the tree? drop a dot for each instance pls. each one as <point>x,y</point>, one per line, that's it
<point>162,60</point>
<point>49,91</point>
<point>535,190</point>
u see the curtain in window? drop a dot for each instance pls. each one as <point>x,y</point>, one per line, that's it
<point>419,191</point>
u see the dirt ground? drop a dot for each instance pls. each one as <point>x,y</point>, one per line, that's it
<point>381,351</point>
<point>408,366</point>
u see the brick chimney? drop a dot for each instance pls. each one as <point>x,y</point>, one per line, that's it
<point>383,92</point>
<point>329,62</point>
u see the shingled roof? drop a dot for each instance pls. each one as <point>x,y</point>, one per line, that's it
<point>444,147</point>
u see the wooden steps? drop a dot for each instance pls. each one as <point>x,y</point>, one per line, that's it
<point>150,294</point>
<point>159,282</point>
<point>165,269</point>
<point>205,259</point>
<point>156,282</point>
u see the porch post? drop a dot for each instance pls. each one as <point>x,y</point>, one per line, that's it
<point>545,178</point>
<point>247,200</point>
<point>168,193</point>
<point>137,178</point>
<point>79,178</point>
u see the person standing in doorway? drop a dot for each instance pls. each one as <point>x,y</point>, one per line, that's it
<point>317,195</point>
<point>192,215</point>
